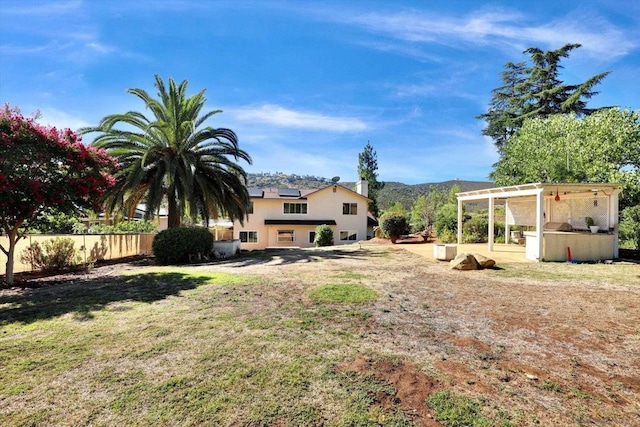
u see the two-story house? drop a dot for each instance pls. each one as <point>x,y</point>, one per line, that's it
<point>289,217</point>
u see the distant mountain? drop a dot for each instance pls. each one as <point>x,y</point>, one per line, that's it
<point>407,194</point>
<point>390,193</point>
<point>283,180</point>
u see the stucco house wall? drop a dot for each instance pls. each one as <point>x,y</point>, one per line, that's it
<point>269,223</point>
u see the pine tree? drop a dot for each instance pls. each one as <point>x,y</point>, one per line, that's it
<point>535,91</point>
<point>368,170</point>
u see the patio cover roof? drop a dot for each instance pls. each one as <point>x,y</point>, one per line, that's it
<point>535,188</point>
<point>540,191</point>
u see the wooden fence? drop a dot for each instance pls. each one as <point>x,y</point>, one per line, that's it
<point>90,247</point>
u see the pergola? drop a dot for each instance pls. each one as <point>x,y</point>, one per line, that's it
<point>540,204</point>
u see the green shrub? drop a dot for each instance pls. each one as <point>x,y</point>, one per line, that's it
<point>54,254</point>
<point>79,228</point>
<point>475,229</point>
<point>174,245</point>
<point>142,226</point>
<point>324,235</point>
<point>395,226</point>
<point>54,222</point>
<point>448,236</point>
<point>472,237</point>
<point>446,220</point>
<point>100,229</point>
<point>378,232</point>
<point>630,225</point>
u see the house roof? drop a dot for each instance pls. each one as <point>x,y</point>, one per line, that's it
<point>279,193</point>
<point>141,209</point>
<point>292,193</point>
<point>338,185</point>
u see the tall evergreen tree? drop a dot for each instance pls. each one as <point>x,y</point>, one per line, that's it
<point>535,91</point>
<point>368,169</point>
<point>171,157</point>
<point>507,103</point>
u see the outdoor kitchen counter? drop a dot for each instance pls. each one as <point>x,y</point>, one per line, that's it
<point>584,245</point>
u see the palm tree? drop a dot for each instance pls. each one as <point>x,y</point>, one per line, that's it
<point>171,157</point>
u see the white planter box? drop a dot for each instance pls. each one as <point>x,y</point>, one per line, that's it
<point>445,252</point>
<point>226,248</point>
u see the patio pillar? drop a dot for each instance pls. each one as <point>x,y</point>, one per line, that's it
<point>506,223</point>
<point>614,208</point>
<point>490,231</point>
<point>540,221</point>
<point>459,221</point>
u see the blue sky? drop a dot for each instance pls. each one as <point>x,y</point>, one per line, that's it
<point>306,84</point>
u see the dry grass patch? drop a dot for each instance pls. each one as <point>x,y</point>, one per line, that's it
<point>244,342</point>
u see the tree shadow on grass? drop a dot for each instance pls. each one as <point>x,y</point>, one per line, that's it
<point>82,297</point>
<point>297,256</point>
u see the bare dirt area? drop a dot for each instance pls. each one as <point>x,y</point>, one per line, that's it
<point>536,349</point>
<point>549,352</point>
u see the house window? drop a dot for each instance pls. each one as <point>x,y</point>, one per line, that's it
<point>312,237</point>
<point>348,235</point>
<point>295,208</point>
<point>250,208</point>
<point>349,209</point>
<point>249,236</point>
<point>286,236</point>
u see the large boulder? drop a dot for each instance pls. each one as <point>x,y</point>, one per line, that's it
<point>484,261</point>
<point>465,262</point>
<point>471,262</point>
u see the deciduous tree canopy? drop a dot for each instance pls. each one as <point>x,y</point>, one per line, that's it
<point>602,147</point>
<point>41,168</point>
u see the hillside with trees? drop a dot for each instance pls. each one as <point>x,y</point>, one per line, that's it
<point>389,194</point>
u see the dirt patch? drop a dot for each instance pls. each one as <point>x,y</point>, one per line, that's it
<point>37,279</point>
<point>412,386</point>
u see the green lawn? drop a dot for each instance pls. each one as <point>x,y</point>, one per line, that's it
<point>169,346</point>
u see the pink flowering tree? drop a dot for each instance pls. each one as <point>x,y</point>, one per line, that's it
<point>43,167</point>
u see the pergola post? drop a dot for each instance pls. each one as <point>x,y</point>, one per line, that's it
<point>459,221</point>
<point>540,221</point>
<point>614,208</point>
<point>506,222</point>
<point>491,227</point>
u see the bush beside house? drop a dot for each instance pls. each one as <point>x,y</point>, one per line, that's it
<point>395,226</point>
<point>324,235</point>
<point>174,245</point>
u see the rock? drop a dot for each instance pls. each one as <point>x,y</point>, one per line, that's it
<point>465,262</point>
<point>484,261</point>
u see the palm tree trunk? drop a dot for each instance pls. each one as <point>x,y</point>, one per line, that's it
<point>173,219</point>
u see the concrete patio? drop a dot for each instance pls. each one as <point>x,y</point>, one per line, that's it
<point>501,253</point>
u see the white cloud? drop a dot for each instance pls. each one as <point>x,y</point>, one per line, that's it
<point>61,119</point>
<point>598,37</point>
<point>100,48</point>
<point>282,117</point>
<point>418,90</point>
<point>43,8</point>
